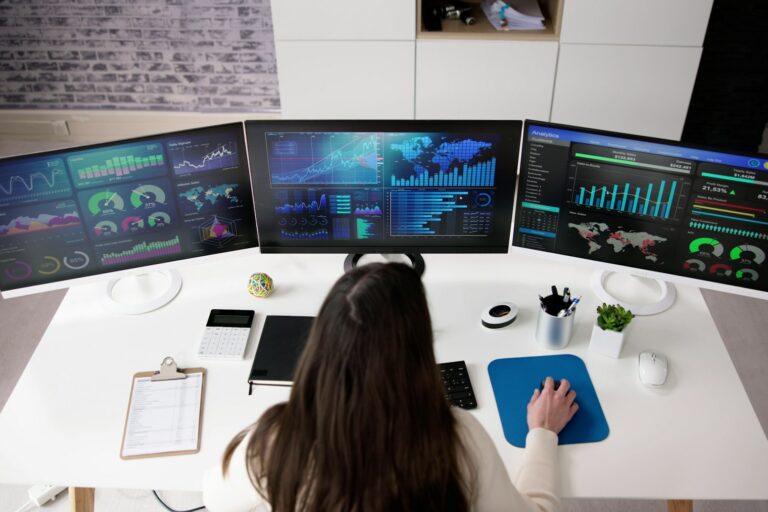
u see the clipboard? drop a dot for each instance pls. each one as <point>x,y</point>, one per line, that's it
<point>166,417</point>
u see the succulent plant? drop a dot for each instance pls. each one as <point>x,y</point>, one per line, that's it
<point>613,317</point>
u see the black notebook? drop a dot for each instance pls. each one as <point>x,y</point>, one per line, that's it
<point>280,345</point>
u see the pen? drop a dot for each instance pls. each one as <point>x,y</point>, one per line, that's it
<point>571,308</point>
<point>566,295</point>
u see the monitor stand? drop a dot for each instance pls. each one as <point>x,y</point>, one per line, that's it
<point>635,286</point>
<point>141,293</point>
<point>415,260</point>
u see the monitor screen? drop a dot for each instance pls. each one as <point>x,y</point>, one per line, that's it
<point>644,203</point>
<point>383,186</point>
<point>82,211</point>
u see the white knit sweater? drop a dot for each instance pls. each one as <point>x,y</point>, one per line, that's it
<point>534,488</point>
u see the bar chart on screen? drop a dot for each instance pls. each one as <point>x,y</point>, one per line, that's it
<point>654,196</point>
<point>116,164</point>
<point>439,160</point>
<point>480,175</point>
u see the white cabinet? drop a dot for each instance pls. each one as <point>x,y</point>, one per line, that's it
<point>643,90</point>
<point>346,80</point>
<point>482,79</point>
<point>646,22</point>
<point>304,20</point>
<point>345,59</point>
<point>629,66</point>
<point>623,65</point>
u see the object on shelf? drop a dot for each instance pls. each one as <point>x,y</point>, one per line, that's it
<point>434,11</point>
<point>514,14</point>
<point>260,285</point>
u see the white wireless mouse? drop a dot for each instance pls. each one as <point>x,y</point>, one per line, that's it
<point>652,368</point>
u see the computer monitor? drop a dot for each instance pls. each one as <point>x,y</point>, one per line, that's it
<point>70,214</point>
<point>652,207</point>
<point>383,186</point>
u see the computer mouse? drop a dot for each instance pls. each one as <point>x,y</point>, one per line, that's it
<point>541,386</point>
<point>652,368</point>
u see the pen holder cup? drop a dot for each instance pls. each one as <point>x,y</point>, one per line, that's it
<point>553,332</point>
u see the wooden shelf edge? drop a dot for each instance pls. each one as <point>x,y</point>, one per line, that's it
<point>543,35</point>
<point>484,31</point>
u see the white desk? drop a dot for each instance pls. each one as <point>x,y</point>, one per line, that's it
<point>698,438</point>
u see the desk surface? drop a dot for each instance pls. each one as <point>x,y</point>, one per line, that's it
<point>697,438</point>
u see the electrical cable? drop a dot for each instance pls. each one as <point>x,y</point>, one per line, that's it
<point>29,505</point>
<point>169,509</point>
<point>39,495</point>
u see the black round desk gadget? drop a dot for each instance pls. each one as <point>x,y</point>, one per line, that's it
<point>499,315</point>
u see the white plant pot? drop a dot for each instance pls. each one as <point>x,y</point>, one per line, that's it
<point>608,343</point>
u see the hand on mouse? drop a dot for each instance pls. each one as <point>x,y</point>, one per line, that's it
<point>552,409</point>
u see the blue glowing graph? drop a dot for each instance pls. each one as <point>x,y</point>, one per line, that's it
<point>367,202</point>
<point>332,158</point>
<point>420,213</point>
<point>367,228</point>
<point>300,202</point>
<point>341,204</point>
<point>36,180</point>
<point>341,229</point>
<point>319,234</point>
<point>439,160</point>
<point>630,198</point>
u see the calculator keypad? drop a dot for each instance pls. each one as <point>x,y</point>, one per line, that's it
<point>224,342</point>
<point>458,388</point>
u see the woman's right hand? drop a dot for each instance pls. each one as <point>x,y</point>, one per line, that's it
<point>552,409</point>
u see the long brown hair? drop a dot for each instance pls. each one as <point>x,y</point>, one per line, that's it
<point>367,426</point>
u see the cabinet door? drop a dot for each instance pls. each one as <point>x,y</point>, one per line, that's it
<point>460,79</point>
<point>296,20</point>
<point>651,22</point>
<point>643,90</point>
<point>345,80</point>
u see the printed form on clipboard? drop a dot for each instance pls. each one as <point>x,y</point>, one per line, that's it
<point>165,412</point>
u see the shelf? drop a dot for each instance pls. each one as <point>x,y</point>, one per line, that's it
<point>483,30</point>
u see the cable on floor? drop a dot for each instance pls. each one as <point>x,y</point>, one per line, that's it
<point>169,509</point>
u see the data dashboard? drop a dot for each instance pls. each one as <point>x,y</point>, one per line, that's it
<point>430,188</point>
<point>83,211</point>
<point>643,203</point>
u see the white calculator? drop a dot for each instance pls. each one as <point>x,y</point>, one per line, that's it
<point>226,334</point>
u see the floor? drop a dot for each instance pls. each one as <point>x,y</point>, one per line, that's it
<point>742,323</point>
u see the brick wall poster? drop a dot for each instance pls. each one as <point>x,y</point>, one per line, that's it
<point>174,55</point>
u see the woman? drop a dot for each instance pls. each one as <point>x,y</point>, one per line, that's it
<point>367,426</point>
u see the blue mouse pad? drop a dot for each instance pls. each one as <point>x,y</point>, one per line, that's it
<point>514,380</point>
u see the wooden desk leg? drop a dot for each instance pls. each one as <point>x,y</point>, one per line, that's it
<point>679,506</point>
<point>81,499</point>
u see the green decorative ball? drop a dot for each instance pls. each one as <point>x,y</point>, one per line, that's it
<point>260,285</point>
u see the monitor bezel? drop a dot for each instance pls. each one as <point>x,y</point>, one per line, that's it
<point>613,267</point>
<point>387,125</point>
<point>103,275</point>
